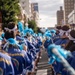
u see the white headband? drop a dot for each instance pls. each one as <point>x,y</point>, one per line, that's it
<point>71,38</point>
<point>7,29</point>
<point>62,32</point>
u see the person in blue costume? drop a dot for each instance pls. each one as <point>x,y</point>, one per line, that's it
<point>62,70</point>
<point>47,43</point>
<point>63,39</point>
<point>30,46</point>
<point>6,66</point>
<point>37,43</point>
<point>9,69</point>
<point>39,48</point>
<point>48,40</point>
<point>57,36</point>
<point>53,32</point>
<point>23,43</point>
<point>71,46</point>
<point>26,44</point>
<point>71,40</point>
<point>19,58</point>
<point>32,49</point>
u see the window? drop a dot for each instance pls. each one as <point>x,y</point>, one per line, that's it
<point>23,2</point>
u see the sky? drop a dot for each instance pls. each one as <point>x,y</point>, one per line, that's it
<point>47,12</point>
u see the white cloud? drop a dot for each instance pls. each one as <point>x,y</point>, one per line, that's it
<point>47,11</point>
<point>47,21</point>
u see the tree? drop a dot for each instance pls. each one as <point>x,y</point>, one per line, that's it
<point>32,24</point>
<point>9,10</point>
<point>38,30</point>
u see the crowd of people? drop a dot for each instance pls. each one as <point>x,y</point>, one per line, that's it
<point>62,60</point>
<point>20,49</point>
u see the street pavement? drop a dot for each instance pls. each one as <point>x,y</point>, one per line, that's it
<point>43,66</point>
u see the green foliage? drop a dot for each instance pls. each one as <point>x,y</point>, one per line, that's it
<point>9,10</point>
<point>32,24</point>
<point>38,30</point>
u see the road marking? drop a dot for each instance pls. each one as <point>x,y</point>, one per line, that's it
<point>42,63</point>
<point>42,72</point>
<point>45,65</point>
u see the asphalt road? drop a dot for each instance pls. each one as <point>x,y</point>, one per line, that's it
<point>43,66</point>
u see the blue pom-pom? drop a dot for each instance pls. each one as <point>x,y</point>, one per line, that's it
<point>56,54</point>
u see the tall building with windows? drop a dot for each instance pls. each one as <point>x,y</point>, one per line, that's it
<point>35,12</point>
<point>25,6</point>
<point>60,16</point>
<point>68,8</point>
<point>35,7</point>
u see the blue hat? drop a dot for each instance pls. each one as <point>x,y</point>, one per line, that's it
<point>28,30</point>
<point>35,35</point>
<point>12,41</point>
<point>53,31</point>
<point>47,34</point>
<point>31,30</point>
<point>40,34</point>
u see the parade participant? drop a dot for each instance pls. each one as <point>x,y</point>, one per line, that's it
<point>36,47</point>
<point>70,47</point>
<point>71,60</point>
<point>20,36</point>
<point>11,46</point>
<point>48,40</point>
<point>60,55</point>
<point>64,37</point>
<point>25,37</point>
<point>6,66</point>
<point>53,32</point>
<point>57,36</point>
<point>71,40</point>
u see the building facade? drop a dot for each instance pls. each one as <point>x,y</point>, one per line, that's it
<point>35,7</point>
<point>35,12</point>
<point>60,16</point>
<point>25,6</point>
<point>71,17</point>
<point>68,8</point>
